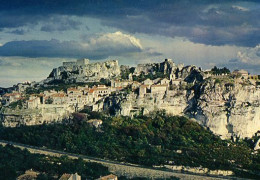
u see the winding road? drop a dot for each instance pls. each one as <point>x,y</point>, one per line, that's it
<point>118,168</point>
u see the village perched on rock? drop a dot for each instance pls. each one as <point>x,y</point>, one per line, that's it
<point>225,102</point>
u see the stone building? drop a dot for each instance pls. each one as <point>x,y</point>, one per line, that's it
<point>118,83</point>
<point>148,82</point>
<point>33,102</point>
<point>74,95</point>
<point>159,88</point>
<point>164,81</point>
<point>11,97</point>
<point>143,90</point>
<point>59,98</point>
<point>240,72</point>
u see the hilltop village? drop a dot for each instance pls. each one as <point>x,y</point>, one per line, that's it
<point>213,97</point>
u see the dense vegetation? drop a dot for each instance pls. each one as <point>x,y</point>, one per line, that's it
<point>16,104</point>
<point>14,162</point>
<point>147,140</point>
<point>216,70</point>
<point>151,76</point>
<point>126,71</point>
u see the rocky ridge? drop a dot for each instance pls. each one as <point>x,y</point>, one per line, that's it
<point>227,104</point>
<point>84,71</point>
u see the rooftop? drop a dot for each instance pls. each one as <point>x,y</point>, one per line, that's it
<point>108,177</point>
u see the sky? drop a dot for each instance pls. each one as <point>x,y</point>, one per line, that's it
<point>36,36</point>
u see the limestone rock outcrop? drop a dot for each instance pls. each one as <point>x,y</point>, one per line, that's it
<point>166,67</point>
<point>48,114</point>
<point>83,71</point>
<point>229,105</point>
<point>229,109</point>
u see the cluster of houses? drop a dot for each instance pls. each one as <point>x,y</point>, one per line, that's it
<point>78,97</point>
<point>55,105</point>
<point>8,98</point>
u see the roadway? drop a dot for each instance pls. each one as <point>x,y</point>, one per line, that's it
<point>118,168</point>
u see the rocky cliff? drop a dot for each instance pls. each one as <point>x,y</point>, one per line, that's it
<point>83,71</point>
<point>228,106</point>
<point>166,67</point>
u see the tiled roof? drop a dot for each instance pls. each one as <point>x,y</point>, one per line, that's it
<point>72,89</point>
<point>65,177</point>
<point>108,177</point>
<point>11,94</point>
<point>58,95</point>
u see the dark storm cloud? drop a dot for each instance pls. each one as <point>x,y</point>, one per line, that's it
<point>13,20</point>
<point>60,23</point>
<point>18,32</point>
<point>208,22</point>
<point>99,47</point>
<point>40,48</point>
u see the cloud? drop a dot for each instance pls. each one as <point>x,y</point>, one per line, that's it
<point>87,28</point>
<point>17,31</point>
<point>99,47</point>
<point>19,69</point>
<point>218,25</point>
<point>208,22</point>
<point>60,23</point>
<point>250,56</point>
<point>7,63</point>
<point>13,20</point>
<point>240,8</point>
<point>248,59</point>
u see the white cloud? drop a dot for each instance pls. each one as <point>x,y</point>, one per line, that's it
<point>248,59</point>
<point>240,8</point>
<point>250,55</point>
<point>187,52</point>
<point>98,47</point>
<point>114,39</point>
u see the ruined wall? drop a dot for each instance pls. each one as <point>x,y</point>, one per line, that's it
<point>83,71</point>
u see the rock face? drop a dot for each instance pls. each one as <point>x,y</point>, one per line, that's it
<point>168,66</point>
<point>229,109</point>
<point>83,71</point>
<point>228,105</point>
<point>49,114</point>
